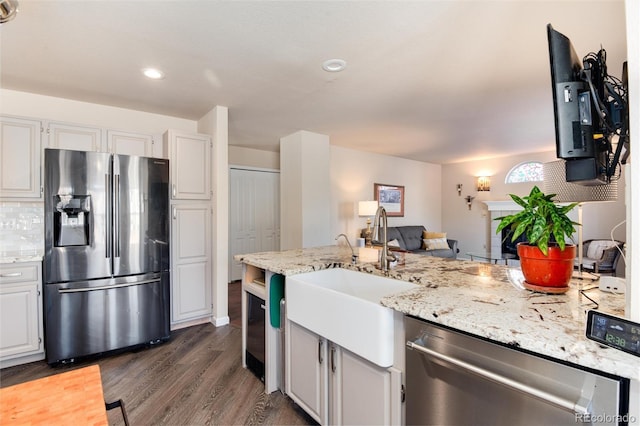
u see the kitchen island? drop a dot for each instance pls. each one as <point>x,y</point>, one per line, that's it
<point>481,299</point>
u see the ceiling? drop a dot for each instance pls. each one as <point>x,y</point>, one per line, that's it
<point>435,81</point>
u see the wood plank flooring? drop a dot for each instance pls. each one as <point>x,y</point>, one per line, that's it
<point>194,379</point>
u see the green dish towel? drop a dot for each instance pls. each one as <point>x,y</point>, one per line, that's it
<point>276,293</point>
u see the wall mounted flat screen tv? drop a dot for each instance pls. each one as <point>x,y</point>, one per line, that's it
<point>590,111</point>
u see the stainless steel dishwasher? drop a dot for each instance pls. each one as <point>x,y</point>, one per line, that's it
<point>456,379</point>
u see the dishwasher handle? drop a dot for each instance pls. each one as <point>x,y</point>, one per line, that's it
<point>571,406</point>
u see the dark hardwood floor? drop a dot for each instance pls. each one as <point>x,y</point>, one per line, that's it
<point>194,379</point>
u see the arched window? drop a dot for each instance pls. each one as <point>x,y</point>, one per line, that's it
<point>531,171</point>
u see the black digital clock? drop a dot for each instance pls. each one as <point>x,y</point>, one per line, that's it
<point>619,333</point>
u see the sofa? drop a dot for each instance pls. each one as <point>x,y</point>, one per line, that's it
<point>410,238</point>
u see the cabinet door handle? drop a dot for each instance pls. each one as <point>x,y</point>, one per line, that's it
<point>175,213</point>
<point>333,359</point>
<point>320,360</point>
<point>173,190</point>
<point>11,275</point>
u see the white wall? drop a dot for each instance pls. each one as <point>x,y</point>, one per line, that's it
<point>353,174</point>
<point>65,110</point>
<point>471,228</point>
<point>216,124</point>
<point>254,158</point>
<point>633,271</point>
<point>304,190</point>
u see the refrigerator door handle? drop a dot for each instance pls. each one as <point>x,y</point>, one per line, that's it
<point>107,185</point>
<point>106,287</point>
<point>116,216</point>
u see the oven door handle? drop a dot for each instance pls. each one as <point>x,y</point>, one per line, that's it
<point>106,287</point>
<point>579,407</point>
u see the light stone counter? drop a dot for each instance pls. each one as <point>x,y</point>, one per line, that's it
<point>482,299</point>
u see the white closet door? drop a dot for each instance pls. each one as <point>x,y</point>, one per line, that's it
<point>254,216</point>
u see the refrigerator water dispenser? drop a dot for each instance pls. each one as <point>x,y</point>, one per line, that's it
<point>71,220</point>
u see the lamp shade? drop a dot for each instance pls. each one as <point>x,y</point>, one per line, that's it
<point>484,183</point>
<point>8,10</point>
<point>367,208</point>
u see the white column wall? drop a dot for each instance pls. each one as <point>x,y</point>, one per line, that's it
<point>216,124</point>
<point>305,190</point>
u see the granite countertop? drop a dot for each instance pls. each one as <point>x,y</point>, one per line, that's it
<point>482,299</point>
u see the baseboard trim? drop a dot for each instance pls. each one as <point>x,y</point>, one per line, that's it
<point>185,324</point>
<point>22,360</point>
<point>219,322</point>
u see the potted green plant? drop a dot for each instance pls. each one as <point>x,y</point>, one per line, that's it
<point>546,259</point>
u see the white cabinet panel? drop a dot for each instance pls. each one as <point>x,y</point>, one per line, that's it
<point>21,327</point>
<point>18,319</point>
<point>190,261</point>
<point>190,295</point>
<point>190,156</point>
<point>78,138</point>
<point>20,158</point>
<point>307,371</point>
<point>335,386</point>
<point>129,143</point>
<point>361,391</point>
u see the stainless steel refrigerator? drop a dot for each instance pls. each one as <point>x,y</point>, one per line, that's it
<point>106,262</point>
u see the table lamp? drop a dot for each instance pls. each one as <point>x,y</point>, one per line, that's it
<point>367,209</point>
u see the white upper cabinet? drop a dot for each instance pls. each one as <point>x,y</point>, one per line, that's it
<point>129,143</point>
<point>20,158</point>
<point>78,138</point>
<point>190,165</point>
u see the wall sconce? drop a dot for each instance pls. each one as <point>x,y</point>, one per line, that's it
<point>459,189</point>
<point>484,183</point>
<point>367,209</point>
<point>469,199</point>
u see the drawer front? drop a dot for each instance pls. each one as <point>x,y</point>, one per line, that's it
<point>19,273</point>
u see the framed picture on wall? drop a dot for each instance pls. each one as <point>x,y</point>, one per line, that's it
<point>391,197</point>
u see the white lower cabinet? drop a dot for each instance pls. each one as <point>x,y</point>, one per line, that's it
<point>21,326</point>
<point>190,262</point>
<point>336,386</point>
<point>307,372</point>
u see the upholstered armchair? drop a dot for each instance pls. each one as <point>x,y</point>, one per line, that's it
<point>601,256</point>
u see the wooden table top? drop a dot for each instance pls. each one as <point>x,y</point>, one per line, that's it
<point>71,398</point>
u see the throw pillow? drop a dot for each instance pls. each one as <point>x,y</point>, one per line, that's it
<point>431,235</point>
<point>394,243</point>
<point>435,244</point>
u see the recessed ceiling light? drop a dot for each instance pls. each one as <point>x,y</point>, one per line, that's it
<point>153,73</point>
<point>334,65</point>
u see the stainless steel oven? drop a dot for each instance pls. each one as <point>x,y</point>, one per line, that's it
<point>456,379</point>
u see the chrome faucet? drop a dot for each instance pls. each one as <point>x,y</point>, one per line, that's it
<point>386,256</point>
<point>354,257</point>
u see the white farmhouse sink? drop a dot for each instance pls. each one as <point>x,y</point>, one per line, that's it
<point>343,306</point>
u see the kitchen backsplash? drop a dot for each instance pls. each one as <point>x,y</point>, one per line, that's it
<point>22,229</point>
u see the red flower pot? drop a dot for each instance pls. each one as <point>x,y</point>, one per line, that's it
<point>549,274</point>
